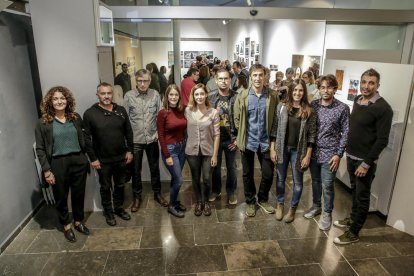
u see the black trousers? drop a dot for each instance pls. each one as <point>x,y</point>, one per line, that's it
<point>200,164</point>
<point>361,192</point>
<point>153,156</point>
<point>70,174</point>
<point>115,171</point>
<point>247,158</point>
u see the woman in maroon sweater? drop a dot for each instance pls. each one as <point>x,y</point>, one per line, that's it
<point>171,126</point>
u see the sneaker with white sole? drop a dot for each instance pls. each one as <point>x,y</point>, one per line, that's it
<point>232,199</point>
<point>267,207</point>
<point>325,221</point>
<point>313,212</point>
<point>346,238</point>
<point>343,223</point>
<point>214,197</point>
<point>250,210</point>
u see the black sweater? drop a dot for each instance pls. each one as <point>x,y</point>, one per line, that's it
<point>109,132</point>
<point>369,129</point>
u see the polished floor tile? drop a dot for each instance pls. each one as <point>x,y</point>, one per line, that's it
<point>167,236</point>
<point>207,258</point>
<point>251,272</point>
<point>254,255</point>
<point>309,250</point>
<point>22,242</point>
<point>402,265</point>
<point>260,230</point>
<point>76,263</point>
<point>113,239</point>
<point>136,262</point>
<point>217,233</point>
<point>296,270</point>
<point>22,264</point>
<point>368,267</point>
<point>55,241</point>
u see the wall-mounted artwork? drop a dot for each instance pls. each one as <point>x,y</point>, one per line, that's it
<point>273,67</point>
<point>353,89</point>
<point>256,58</point>
<point>171,58</point>
<point>246,52</point>
<point>339,74</point>
<point>257,48</point>
<point>241,48</point>
<point>237,49</point>
<point>247,42</point>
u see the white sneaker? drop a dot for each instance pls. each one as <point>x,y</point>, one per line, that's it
<point>325,221</point>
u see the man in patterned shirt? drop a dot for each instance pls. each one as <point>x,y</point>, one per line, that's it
<point>142,106</point>
<point>333,127</point>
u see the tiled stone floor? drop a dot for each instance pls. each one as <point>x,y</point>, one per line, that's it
<point>226,243</point>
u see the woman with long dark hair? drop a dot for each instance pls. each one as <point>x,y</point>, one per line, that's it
<point>171,127</point>
<point>60,147</point>
<point>295,133</point>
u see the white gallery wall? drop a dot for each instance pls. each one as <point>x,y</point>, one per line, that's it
<point>284,38</point>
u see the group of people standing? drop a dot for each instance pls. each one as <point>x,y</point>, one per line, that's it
<point>198,125</point>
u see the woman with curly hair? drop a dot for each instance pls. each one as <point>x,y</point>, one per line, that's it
<point>60,146</point>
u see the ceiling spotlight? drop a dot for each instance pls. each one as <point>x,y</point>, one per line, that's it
<point>249,2</point>
<point>226,21</point>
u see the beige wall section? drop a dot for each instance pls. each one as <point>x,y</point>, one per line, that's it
<point>125,51</point>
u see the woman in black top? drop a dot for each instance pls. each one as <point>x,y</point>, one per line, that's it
<point>60,147</point>
<point>294,132</point>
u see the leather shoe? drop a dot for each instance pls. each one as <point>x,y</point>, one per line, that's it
<point>122,214</point>
<point>198,209</point>
<point>180,207</point>
<point>136,204</point>
<point>175,212</point>
<point>207,209</point>
<point>69,235</point>
<point>82,228</point>
<point>110,219</point>
<point>158,198</point>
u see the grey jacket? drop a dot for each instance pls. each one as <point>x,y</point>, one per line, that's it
<point>307,134</point>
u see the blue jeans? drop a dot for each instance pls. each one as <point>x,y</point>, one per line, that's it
<point>289,155</point>
<point>322,182</point>
<point>177,153</point>
<point>231,182</point>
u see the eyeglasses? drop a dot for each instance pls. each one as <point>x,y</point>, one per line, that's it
<point>143,81</point>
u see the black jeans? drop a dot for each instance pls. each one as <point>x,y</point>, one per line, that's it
<point>70,173</point>
<point>115,171</point>
<point>361,192</point>
<point>247,158</point>
<point>198,164</point>
<point>153,156</point>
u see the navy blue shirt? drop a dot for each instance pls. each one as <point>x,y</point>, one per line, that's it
<point>256,122</point>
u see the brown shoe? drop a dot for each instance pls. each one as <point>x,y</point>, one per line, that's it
<point>198,209</point>
<point>158,198</point>
<point>279,211</point>
<point>207,209</point>
<point>136,204</point>
<point>290,216</point>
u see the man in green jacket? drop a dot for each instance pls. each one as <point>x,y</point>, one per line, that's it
<point>254,112</point>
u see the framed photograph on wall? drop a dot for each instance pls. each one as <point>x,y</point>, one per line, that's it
<point>237,49</point>
<point>247,42</point>
<point>241,48</point>
<point>246,52</point>
<point>257,48</point>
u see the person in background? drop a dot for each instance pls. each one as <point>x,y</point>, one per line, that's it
<point>123,79</point>
<point>274,85</point>
<point>171,127</point>
<point>313,92</point>
<point>188,83</point>
<point>203,129</point>
<point>286,83</point>
<point>163,81</point>
<point>60,147</point>
<point>294,134</point>
<point>171,79</point>
<point>108,129</point>
<point>369,130</point>
<point>241,83</point>
<point>155,82</point>
<point>142,106</point>
<point>211,84</point>
<point>332,135</point>
<point>204,74</point>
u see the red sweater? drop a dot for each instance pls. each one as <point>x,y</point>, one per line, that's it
<point>171,127</point>
<point>186,85</point>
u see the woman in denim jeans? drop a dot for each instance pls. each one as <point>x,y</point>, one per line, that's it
<point>295,132</point>
<point>203,128</point>
<point>171,127</point>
